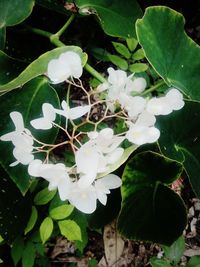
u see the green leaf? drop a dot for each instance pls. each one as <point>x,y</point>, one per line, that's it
<point>127,152</point>
<point>15,210</point>
<point>147,202</point>
<point>13,12</point>
<point>118,61</point>
<point>175,251</point>
<point>46,229</point>
<point>29,254</point>
<point>132,43</point>
<point>10,68</point>
<point>17,250</point>
<point>155,262</point>
<point>2,37</point>
<point>180,140</point>
<point>117,18</point>
<point>139,54</point>
<point>44,196</point>
<point>28,100</point>
<point>32,220</point>
<point>122,49</point>
<point>61,212</point>
<point>194,262</point>
<point>36,68</point>
<point>80,218</point>
<point>170,51</point>
<point>70,229</point>
<point>100,54</point>
<point>138,67</point>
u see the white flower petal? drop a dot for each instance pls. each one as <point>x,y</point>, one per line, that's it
<point>58,71</point>
<point>114,155</point>
<point>64,188</point>
<point>140,135</point>
<point>22,156</point>
<point>146,119</point>
<point>111,181</point>
<point>34,168</point>
<point>102,197</point>
<point>48,111</point>
<point>135,106</point>
<point>15,163</point>
<point>74,61</point>
<point>78,112</point>
<point>139,84</point>
<point>41,124</point>
<point>175,99</point>
<point>18,121</point>
<point>86,179</point>
<point>117,77</point>
<point>9,136</point>
<point>158,106</point>
<point>84,200</point>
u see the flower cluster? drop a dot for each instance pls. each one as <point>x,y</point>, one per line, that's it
<point>140,111</point>
<point>98,150</point>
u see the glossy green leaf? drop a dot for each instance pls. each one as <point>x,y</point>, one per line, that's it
<point>138,67</point>
<point>28,100</point>
<point>122,49</point>
<point>118,61</point>
<point>17,250</point>
<point>132,43</point>
<point>117,18</point>
<point>29,254</point>
<point>155,262</point>
<point>175,251</point>
<point>127,152</point>
<point>32,220</point>
<point>170,51</point>
<point>46,229</point>
<point>180,139</point>
<point>147,202</point>
<point>36,68</point>
<point>194,262</point>
<point>70,229</point>
<point>13,12</point>
<point>15,210</point>
<point>61,212</point>
<point>44,196</point>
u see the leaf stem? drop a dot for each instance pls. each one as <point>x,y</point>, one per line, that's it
<point>153,88</point>
<point>94,73</point>
<point>65,26</point>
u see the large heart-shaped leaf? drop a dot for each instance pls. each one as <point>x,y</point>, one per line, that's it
<point>28,100</point>
<point>180,140</point>
<point>15,209</point>
<point>170,51</point>
<point>150,210</point>
<point>117,18</point>
<point>36,68</point>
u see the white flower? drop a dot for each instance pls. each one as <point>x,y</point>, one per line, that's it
<point>135,106</point>
<point>45,122</point>
<point>146,119</point>
<point>139,134</point>
<point>72,113</point>
<point>68,64</point>
<point>21,139</point>
<point>84,199</point>
<point>55,174</point>
<point>103,186</point>
<point>139,84</point>
<point>20,132</point>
